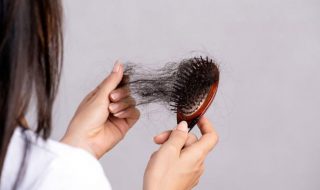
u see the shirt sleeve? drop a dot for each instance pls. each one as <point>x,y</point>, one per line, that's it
<point>79,171</point>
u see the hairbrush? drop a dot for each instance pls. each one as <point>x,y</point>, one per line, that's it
<point>187,87</point>
<point>195,88</point>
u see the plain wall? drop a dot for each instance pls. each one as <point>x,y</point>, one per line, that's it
<point>268,105</point>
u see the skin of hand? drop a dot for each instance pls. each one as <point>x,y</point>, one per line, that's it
<point>179,162</point>
<point>104,116</point>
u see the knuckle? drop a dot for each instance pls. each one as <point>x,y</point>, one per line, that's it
<point>171,147</point>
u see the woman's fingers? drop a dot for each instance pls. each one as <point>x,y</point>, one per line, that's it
<point>131,112</point>
<point>111,82</point>
<point>209,137</point>
<point>119,94</point>
<point>177,139</point>
<point>117,107</point>
<point>204,145</point>
<point>163,137</point>
<point>131,115</point>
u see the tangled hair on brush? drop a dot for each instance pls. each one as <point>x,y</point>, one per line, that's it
<point>178,85</point>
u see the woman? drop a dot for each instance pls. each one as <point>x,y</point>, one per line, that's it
<point>30,66</point>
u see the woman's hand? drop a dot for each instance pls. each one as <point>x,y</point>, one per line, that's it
<point>179,162</point>
<point>103,117</point>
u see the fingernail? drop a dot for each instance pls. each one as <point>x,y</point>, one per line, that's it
<point>113,107</point>
<point>116,67</point>
<point>182,126</point>
<point>114,96</point>
<point>118,114</point>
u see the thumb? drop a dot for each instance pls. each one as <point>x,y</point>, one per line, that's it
<point>178,137</point>
<point>112,81</point>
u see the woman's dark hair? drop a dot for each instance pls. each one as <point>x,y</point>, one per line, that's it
<point>30,64</point>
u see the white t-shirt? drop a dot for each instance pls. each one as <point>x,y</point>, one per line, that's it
<point>51,165</point>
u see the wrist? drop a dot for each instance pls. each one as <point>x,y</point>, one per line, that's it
<point>78,143</point>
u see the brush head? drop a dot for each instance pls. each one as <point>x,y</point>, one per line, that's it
<point>194,88</point>
<point>186,87</point>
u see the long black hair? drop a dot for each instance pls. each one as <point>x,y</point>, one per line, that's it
<point>30,64</point>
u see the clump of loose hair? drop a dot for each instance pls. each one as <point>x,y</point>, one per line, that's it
<point>178,85</point>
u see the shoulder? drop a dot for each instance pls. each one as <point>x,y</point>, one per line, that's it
<point>76,169</point>
<point>52,165</point>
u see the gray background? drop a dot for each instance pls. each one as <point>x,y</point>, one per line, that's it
<point>267,108</point>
